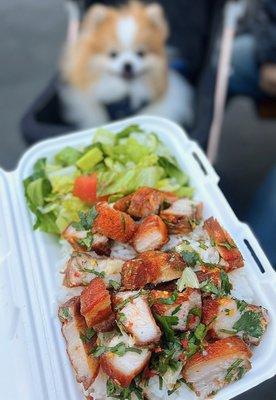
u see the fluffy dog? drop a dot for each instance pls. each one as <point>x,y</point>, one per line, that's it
<point>118,66</point>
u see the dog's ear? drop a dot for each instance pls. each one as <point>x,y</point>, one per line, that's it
<point>94,17</point>
<point>156,15</point>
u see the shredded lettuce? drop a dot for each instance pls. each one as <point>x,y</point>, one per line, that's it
<point>123,162</point>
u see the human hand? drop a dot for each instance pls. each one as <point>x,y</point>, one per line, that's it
<point>268,78</point>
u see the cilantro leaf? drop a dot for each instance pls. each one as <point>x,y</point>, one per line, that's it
<point>250,323</point>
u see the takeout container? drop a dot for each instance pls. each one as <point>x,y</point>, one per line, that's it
<point>33,360</point>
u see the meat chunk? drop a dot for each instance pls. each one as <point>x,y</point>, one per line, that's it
<point>151,234</point>
<point>100,244</point>
<point>123,368</point>
<point>113,224</point>
<point>213,280</point>
<point>151,267</point>
<point>224,244</point>
<point>227,317</point>
<point>123,203</point>
<point>80,340</point>
<point>144,201</point>
<point>182,216</point>
<point>96,306</point>
<point>134,314</point>
<point>81,268</point>
<point>186,306</point>
<point>219,364</point>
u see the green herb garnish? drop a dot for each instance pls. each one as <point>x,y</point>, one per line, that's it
<point>250,323</point>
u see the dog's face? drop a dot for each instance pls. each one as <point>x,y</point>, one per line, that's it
<point>125,43</point>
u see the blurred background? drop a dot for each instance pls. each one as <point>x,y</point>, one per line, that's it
<point>239,113</point>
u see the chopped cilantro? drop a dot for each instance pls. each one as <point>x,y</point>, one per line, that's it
<point>232,370</point>
<point>200,331</point>
<point>114,284</point>
<point>88,335</point>
<point>175,311</point>
<point>190,257</point>
<point>195,311</point>
<point>226,286</point>
<point>250,323</point>
<point>86,220</point>
<point>167,321</point>
<point>241,304</point>
<point>119,349</point>
<point>93,271</point>
<point>228,331</point>
<point>170,300</point>
<point>64,314</point>
<point>87,241</point>
<point>227,245</point>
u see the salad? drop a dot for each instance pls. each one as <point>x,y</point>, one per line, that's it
<point>111,167</point>
<point>151,309</point>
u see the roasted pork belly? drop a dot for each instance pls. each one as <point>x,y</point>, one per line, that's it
<point>134,313</point>
<point>144,201</point>
<point>186,306</point>
<point>96,306</point>
<point>227,317</point>
<point>113,224</point>
<point>224,244</point>
<point>80,340</point>
<point>151,234</point>
<point>219,364</point>
<point>124,367</point>
<point>213,280</point>
<point>100,244</point>
<point>81,268</point>
<point>151,267</point>
<point>182,216</point>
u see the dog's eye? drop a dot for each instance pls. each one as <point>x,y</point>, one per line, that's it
<point>141,53</point>
<point>113,54</point>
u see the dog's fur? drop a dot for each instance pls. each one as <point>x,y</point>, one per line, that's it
<point>94,67</point>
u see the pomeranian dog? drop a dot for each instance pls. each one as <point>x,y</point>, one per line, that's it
<point>118,66</point>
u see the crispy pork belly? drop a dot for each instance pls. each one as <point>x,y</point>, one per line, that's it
<point>96,306</point>
<point>100,244</point>
<point>186,306</point>
<point>151,267</point>
<point>123,368</point>
<point>151,234</point>
<point>182,216</point>
<point>123,203</point>
<point>73,236</point>
<point>219,364</point>
<point>144,201</point>
<point>134,313</point>
<point>227,317</point>
<point>113,224</point>
<point>213,280</point>
<point>81,268</point>
<point>224,244</point>
<point>80,340</point>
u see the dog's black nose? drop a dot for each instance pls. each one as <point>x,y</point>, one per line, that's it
<point>128,71</point>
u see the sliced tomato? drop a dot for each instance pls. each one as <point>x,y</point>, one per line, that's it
<point>85,188</point>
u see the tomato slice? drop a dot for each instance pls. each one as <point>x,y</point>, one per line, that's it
<point>85,188</point>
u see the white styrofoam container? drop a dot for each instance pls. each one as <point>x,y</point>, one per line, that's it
<point>33,360</point>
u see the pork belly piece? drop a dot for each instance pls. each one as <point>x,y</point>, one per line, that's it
<point>227,317</point>
<point>81,268</point>
<point>186,306</point>
<point>213,280</point>
<point>100,244</point>
<point>151,267</point>
<point>151,234</point>
<point>182,216</point>
<point>80,340</point>
<point>224,244</point>
<point>134,313</point>
<point>113,224</point>
<point>219,364</point>
<point>123,203</point>
<point>144,201</point>
<point>95,306</point>
<point>123,368</point>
